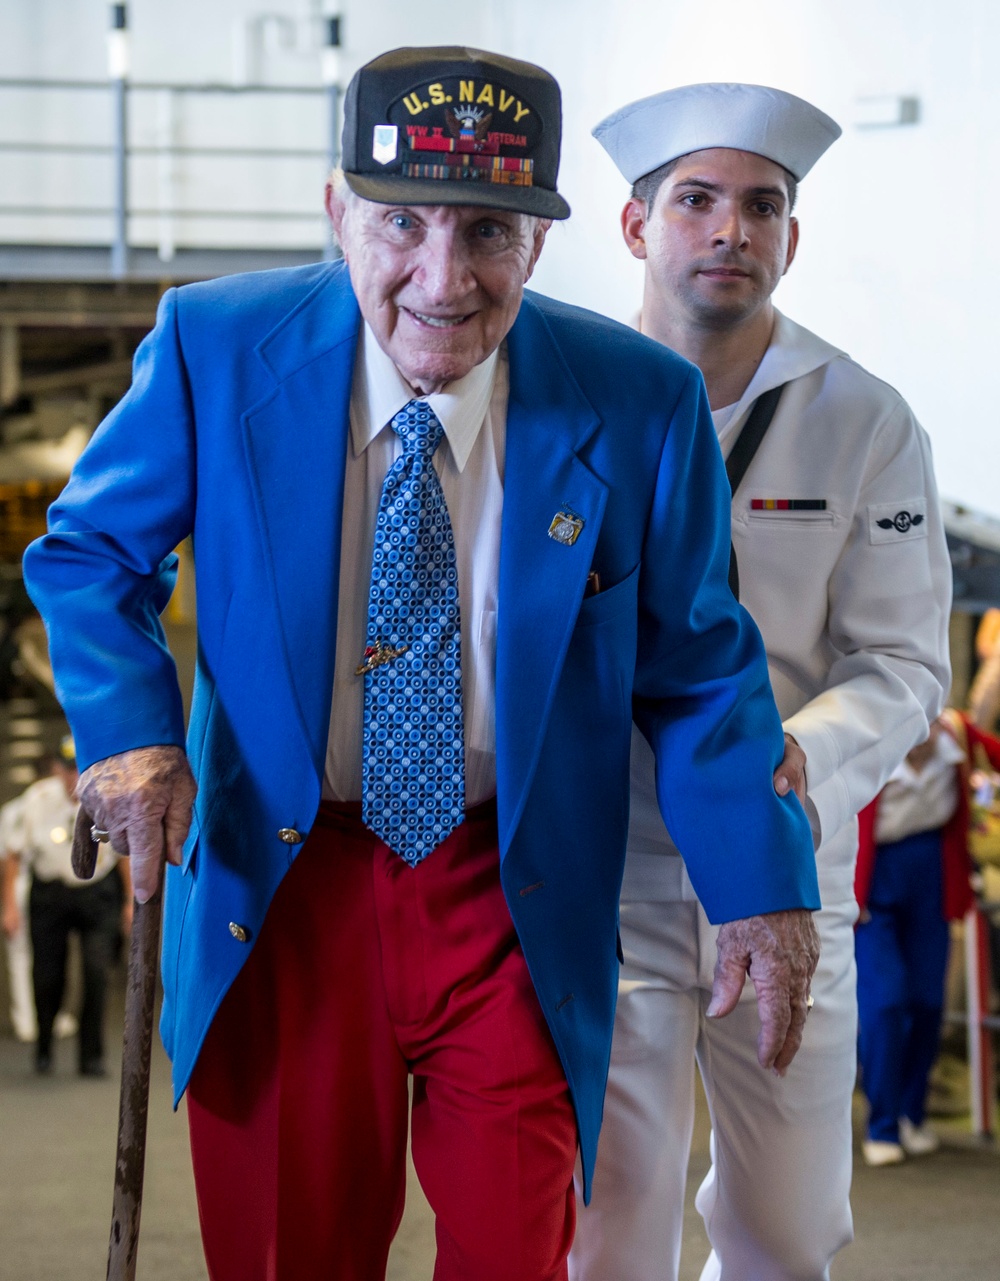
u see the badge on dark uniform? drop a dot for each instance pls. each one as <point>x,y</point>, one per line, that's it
<point>454,126</point>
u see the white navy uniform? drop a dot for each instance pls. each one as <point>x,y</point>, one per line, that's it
<point>852,595</point>
<point>22,1003</point>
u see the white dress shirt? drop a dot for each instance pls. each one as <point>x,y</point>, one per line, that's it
<point>42,836</point>
<point>920,800</point>
<point>470,464</point>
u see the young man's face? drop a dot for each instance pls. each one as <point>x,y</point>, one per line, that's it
<point>718,238</point>
<point>439,285</point>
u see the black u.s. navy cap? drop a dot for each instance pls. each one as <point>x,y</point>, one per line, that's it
<point>454,126</point>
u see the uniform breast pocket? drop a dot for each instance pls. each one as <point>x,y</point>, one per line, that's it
<point>802,522</point>
<point>609,603</point>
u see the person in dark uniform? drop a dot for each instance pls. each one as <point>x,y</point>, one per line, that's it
<point>59,904</point>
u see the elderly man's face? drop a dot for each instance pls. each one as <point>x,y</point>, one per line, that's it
<point>440,285</point>
<point>719,236</point>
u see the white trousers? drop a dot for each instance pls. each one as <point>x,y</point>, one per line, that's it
<point>776,1200</point>
<point>22,998</point>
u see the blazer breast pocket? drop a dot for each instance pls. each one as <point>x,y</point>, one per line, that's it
<point>610,602</point>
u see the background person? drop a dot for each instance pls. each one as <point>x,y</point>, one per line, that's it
<point>842,563</point>
<point>22,1001</point>
<point>983,707</point>
<point>15,929</point>
<point>60,904</point>
<point>376,884</point>
<point>913,877</point>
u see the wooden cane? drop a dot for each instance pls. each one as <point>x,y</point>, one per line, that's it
<point>133,1104</point>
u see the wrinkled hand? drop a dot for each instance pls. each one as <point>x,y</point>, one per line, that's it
<point>143,798</point>
<point>780,951</point>
<point>790,776</point>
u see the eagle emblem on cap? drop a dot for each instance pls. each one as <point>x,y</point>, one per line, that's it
<point>468,122</point>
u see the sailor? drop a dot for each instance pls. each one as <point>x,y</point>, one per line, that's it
<point>842,563</point>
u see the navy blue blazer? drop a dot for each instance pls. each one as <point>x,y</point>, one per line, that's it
<point>235,429</point>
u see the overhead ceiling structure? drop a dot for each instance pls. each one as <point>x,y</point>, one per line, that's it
<point>58,337</point>
<point>65,358</point>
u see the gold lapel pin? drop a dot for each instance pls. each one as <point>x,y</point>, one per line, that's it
<point>378,655</point>
<point>565,528</point>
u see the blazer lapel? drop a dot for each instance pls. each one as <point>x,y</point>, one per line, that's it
<point>297,444</point>
<point>542,580</point>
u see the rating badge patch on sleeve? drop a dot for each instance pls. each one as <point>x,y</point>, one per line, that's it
<point>898,521</point>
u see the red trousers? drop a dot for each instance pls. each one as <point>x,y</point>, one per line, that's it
<point>366,971</point>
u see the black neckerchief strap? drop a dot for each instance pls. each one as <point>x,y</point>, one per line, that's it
<point>741,456</point>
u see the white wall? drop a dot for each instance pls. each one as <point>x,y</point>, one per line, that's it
<point>898,260</point>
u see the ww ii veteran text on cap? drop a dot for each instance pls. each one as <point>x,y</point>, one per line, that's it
<point>644,135</point>
<point>453,126</point>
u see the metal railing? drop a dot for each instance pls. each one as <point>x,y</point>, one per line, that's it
<point>167,209</point>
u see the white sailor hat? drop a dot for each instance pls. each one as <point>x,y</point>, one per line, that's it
<point>644,135</point>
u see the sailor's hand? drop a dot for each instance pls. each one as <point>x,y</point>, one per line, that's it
<point>779,951</point>
<point>142,800</point>
<point>790,776</point>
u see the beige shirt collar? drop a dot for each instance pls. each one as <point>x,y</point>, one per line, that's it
<point>460,408</point>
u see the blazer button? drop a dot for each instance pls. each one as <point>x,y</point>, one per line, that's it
<point>290,836</point>
<point>239,932</point>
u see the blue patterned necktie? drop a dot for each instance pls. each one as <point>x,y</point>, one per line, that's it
<point>413,772</point>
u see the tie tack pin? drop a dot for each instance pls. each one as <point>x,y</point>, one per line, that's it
<point>378,655</point>
<point>565,528</point>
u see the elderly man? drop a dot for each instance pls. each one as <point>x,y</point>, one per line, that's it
<point>441,565</point>
<point>842,563</point>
